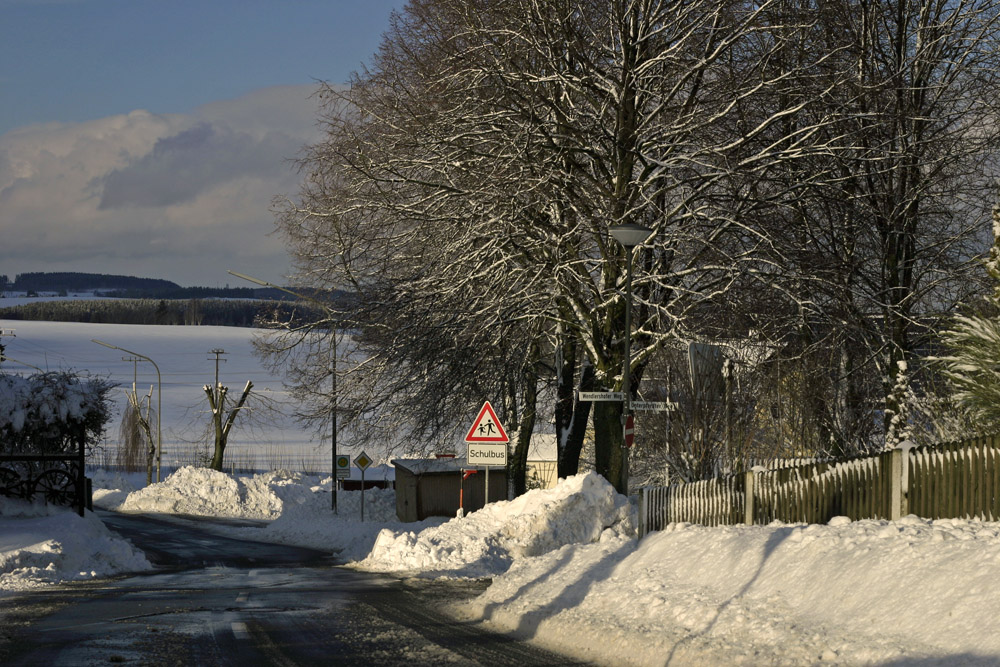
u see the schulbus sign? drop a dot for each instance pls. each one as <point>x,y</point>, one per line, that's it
<point>487,454</point>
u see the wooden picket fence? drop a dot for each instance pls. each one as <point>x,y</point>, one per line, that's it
<point>951,480</point>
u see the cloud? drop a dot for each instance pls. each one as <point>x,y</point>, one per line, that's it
<point>184,165</point>
<point>179,196</point>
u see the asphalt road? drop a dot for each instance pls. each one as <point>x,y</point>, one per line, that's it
<point>219,601</point>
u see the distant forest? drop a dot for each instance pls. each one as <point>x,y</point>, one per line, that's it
<point>131,300</point>
<point>125,287</point>
<point>208,312</point>
<point>79,282</point>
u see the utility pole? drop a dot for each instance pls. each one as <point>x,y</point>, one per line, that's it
<point>218,352</point>
<point>135,369</point>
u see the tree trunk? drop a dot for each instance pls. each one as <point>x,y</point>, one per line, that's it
<point>518,467</point>
<point>608,430</point>
<point>572,437</point>
<point>222,429</point>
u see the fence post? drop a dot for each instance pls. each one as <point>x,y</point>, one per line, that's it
<point>899,472</point>
<point>748,497</point>
<point>643,501</point>
<point>896,481</point>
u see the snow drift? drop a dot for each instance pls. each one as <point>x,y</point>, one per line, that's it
<point>42,544</point>
<point>485,543</point>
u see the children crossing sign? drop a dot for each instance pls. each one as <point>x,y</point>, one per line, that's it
<point>486,442</point>
<point>486,427</point>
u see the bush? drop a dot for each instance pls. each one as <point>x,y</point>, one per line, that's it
<point>52,413</point>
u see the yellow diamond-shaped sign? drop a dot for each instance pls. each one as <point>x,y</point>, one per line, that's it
<point>362,461</point>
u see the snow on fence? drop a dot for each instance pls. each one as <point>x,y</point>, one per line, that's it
<point>952,480</point>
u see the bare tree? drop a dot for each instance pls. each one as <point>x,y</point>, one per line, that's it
<point>223,418</point>
<point>807,172</point>
<point>136,445</point>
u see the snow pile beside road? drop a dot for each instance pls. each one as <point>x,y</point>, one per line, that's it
<point>205,492</point>
<point>41,544</point>
<point>111,488</point>
<point>310,522</point>
<point>298,507</point>
<point>868,592</point>
<point>581,509</point>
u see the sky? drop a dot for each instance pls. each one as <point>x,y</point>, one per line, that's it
<point>149,138</point>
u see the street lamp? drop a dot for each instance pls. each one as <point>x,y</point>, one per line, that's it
<point>629,235</point>
<point>159,401</point>
<point>333,375</point>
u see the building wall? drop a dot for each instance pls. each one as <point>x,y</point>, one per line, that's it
<point>437,494</point>
<point>542,474</point>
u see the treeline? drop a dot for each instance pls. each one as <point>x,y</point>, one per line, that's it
<point>208,312</point>
<point>127,287</point>
<point>79,282</point>
<point>177,292</point>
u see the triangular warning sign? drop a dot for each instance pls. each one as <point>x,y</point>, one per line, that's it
<point>487,427</point>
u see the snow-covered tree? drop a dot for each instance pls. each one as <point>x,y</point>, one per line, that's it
<point>972,365</point>
<point>52,413</point>
<point>808,170</point>
<point>469,180</point>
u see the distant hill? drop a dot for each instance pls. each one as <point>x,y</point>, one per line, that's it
<point>84,282</point>
<point>131,300</point>
<point>128,287</point>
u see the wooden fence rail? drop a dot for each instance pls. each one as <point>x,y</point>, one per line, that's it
<point>951,480</point>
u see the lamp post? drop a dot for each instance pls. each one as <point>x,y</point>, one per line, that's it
<point>333,375</point>
<point>159,401</point>
<point>629,235</point>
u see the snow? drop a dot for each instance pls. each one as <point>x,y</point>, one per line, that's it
<point>41,545</point>
<point>182,354</point>
<point>568,573</point>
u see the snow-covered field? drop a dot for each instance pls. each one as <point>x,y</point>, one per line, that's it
<point>568,573</point>
<point>186,365</point>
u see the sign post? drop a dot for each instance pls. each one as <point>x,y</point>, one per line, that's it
<point>461,490</point>
<point>362,461</point>
<point>486,443</point>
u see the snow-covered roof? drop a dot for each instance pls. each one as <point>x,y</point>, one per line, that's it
<point>435,465</point>
<point>381,471</point>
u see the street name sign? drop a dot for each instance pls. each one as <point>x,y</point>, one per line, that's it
<point>601,396</point>
<point>654,406</point>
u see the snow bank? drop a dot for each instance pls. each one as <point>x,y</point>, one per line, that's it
<point>584,508</point>
<point>298,506</point>
<point>848,593</point>
<point>311,522</point>
<point>205,492</point>
<point>41,544</point>
<point>568,573</point>
<point>111,488</point>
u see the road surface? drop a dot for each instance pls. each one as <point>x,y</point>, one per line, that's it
<point>218,601</point>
